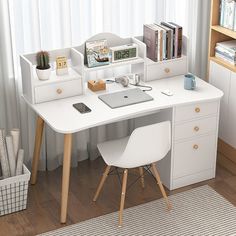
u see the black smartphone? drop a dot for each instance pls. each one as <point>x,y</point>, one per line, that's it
<point>81,107</point>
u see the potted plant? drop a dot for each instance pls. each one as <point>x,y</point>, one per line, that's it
<point>43,68</point>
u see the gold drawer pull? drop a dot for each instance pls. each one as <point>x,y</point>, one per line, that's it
<point>196,128</point>
<point>59,91</point>
<point>195,146</point>
<point>197,109</point>
<point>167,70</point>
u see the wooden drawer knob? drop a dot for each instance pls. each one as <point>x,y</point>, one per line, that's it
<point>59,91</point>
<point>167,70</point>
<point>196,128</point>
<point>195,146</point>
<point>197,109</point>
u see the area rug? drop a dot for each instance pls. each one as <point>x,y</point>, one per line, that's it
<point>200,211</point>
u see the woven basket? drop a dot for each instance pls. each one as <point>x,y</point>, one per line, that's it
<point>14,193</point>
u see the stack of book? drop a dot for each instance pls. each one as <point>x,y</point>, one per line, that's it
<point>164,40</point>
<point>226,51</point>
<point>228,14</point>
<point>11,159</point>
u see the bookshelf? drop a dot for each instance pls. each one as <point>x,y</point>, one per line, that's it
<point>218,34</point>
<point>222,74</point>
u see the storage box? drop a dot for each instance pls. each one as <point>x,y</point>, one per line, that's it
<point>14,193</point>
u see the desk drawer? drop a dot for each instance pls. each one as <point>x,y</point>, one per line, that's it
<point>168,68</point>
<point>58,90</point>
<point>194,156</point>
<point>195,128</point>
<point>195,111</point>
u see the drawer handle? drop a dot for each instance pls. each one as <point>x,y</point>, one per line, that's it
<point>195,146</point>
<point>167,70</point>
<point>196,128</point>
<point>59,91</point>
<point>197,109</point>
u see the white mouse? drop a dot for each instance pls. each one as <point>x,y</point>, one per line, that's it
<point>167,92</point>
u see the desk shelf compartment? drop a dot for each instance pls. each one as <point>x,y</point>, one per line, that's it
<point>166,68</point>
<point>113,69</point>
<point>71,84</point>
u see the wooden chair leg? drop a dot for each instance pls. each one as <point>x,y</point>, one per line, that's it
<point>122,200</point>
<point>157,176</point>
<point>141,176</point>
<point>103,179</point>
<point>37,147</point>
<point>66,176</point>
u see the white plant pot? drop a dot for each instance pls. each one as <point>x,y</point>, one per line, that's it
<point>43,74</point>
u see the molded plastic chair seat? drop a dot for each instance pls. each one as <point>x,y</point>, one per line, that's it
<point>113,150</point>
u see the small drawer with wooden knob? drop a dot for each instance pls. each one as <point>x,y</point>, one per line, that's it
<point>193,111</point>
<point>194,156</point>
<point>57,90</point>
<point>166,68</point>
<point>194,128</point>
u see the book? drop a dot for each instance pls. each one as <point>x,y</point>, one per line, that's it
<point>222,10</point>
<point>179,36</point>
<point>228,12</point>
<point>97,53</point>
<point>229,45</point>
<point>3,155</point>
<point>226,54</point>
<point>174,37</point>
<point>225,51</point>
<point>218,55</point>
<point>169,42</point>
<point>160,41</point>
<point>150,38</point>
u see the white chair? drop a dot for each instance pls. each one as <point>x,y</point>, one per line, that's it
<point>145,146</point>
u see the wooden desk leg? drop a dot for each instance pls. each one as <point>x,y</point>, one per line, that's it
<point>37,147</point>
<point>66,176</point>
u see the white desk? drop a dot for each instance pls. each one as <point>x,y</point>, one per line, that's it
<point>194,116</point>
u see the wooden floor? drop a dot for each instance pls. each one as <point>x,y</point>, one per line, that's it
<point>43,209</point>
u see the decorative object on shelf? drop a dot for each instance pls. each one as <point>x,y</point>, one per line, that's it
<point>97,53</point>
<point>124,52</point>
<point>62,68</point>
<point>43,68</point>
<point>189,82</point>
<point>96,85</point>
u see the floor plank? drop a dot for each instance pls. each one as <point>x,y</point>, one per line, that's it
<point>43,209</point>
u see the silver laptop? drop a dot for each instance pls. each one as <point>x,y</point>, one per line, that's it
<point>125,98</point>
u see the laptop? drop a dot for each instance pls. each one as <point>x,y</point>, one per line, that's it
<point>125,98</point>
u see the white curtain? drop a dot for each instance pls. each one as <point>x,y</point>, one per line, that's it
<point>30,25</point>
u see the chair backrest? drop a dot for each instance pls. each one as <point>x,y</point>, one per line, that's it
<point>147,145</point>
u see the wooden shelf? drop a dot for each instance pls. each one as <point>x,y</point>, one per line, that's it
<point>224,31</point>
<point>223,63</point>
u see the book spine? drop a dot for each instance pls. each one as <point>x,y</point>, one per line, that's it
<point>222,10</point>
<point>173,39</point>
<point>171,43</point>
<point>229,14</point>
<point>180,36</point>
<point>20,160</point>
<point>3,156</point>
<point>225,48</point>
<point>234,17</point>
<point>164,45</point>
<point>150,38</point>
<point>11,155</point>
<point>228,52</point>
<point>15,133</point>
<point>160,45</point>
<point>168,45</point>
<point>233,58</point>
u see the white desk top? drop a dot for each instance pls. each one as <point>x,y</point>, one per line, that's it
<point>62,117</point>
